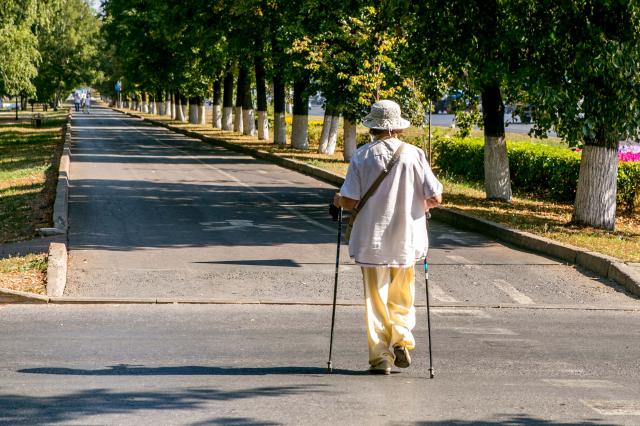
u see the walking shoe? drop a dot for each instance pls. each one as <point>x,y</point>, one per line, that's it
<point>383,367</point>
<point>403,359</point>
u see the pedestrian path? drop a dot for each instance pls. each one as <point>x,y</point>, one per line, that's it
<point>242,364</point>
<point>156,214</point>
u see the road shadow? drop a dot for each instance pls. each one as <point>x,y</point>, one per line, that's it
<point>190,370</point>
<point>72,407</point>
<point>511,420</point>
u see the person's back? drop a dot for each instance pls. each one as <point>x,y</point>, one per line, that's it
<point>389,231</point>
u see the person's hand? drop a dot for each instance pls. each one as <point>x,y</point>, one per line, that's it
<point>336,199</point>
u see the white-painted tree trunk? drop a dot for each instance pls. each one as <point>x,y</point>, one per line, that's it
<point>300,132</point>
<point>279,129</point>
<point>289,108</point>
<point>349,139</point>
<point>227,118</point>
<point>217,116</point>
<point>152,107</point>
<point>597,185</point>
<point>180,116</point>
<point>202,115</point>
<point>159,108</point>
<point>324,135</point>
<point>193,113</point>
<point>263,126</point>
<point>237,120</point>
<point>145,107</point>
<point>333,134</point>
<point>249,122</point>
<point>497,181</point>
<point>168,108</point>
<point>185,111</point>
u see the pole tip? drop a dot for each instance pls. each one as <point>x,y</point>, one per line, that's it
<point>431,373</point>
<point>329,368</point>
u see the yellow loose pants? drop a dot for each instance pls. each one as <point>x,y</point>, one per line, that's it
<point>389,312</point>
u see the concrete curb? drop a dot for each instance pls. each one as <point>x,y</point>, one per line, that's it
<point>57,267</point>
<point>10,296</point>
<point>13,296</point>
<point>605,266</point>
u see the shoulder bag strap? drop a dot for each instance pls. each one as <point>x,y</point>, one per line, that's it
<point>379,179</point>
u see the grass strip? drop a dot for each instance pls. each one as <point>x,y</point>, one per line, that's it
<point>29,159</point>
<point>24,273</point>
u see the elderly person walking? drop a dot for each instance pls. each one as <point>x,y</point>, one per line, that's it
<point>389,232</point>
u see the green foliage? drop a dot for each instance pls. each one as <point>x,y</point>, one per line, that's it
<point>541,170</point>
<point>584,72</point>
<point>69,48</point>
<point>629,186</point>
<point>465,120</point>
<point>18,47</point>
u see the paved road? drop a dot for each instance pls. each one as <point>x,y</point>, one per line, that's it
<point>155,214</point>
<point>250,365</point>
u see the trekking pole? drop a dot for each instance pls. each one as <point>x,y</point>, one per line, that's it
<point>335,292</point>
<point>426,285</point>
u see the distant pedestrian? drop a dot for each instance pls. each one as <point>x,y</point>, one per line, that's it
<point>76,101</point>
<point>87,103</point>
<point>389,232</point>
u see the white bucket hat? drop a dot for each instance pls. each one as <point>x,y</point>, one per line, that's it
<point>385,115</point>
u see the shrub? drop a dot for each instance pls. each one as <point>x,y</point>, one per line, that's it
<point>541,170</point>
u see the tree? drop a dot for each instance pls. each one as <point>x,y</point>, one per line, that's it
<point>585,84</point>
<point>69,47</point>
<point>353,60</point>
<point>19,55</point>
<point>477,44</point>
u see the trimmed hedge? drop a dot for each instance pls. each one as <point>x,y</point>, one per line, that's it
<point>542,170</point>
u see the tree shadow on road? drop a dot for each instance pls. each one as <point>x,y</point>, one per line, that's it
<point>22,409</point>
<point>189,370</point>
<point>511,420</point>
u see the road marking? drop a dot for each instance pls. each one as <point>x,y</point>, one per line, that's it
<point>480,330</point>
<point>510,343</point>
<point>513,293</point>
<point>458,259</point>
<point>454,312</point>
<point>246,185</point>
<point>242,225</point>
<point>582,383</point>
<point>437,293</point>
<point>614,408</point>
<point>452,238</point>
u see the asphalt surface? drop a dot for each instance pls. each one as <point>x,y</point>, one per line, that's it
<point>156,214</point>
<point>250,365</point>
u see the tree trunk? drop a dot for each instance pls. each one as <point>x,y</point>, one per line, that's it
<point>597,184</point>
<point>261,92</point>
<point>184,106</point>
<point>242,81</point>
<point>497,181</point>
<point>202,112</point>
<point>300,128</point>
<point>145,104</point>
<point>248,115</point>
<point>168,109</point>
<point>227,100</point>
<point>279,122</point>
<point>193,110</point>
<point>178,106</point>
<point>326,127</point>
<point>333,133</point>
<point>349,139</point>
<point>217,105</point>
